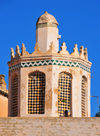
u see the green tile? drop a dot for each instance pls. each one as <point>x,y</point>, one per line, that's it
<point>47,61</point>
<point>28,62</point>
<point>40,64</point>
<point>61,61</point>
<point>44,64</point>
<point>30,65</point>
<point>77,66</point>
<point>37,62</point>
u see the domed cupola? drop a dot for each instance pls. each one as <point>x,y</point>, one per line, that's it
<point>47,32</point>
<point>46,18</point>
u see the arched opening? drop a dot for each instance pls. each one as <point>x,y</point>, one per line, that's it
<point>36,93</point>
<point>64,94</point>
<point>15,96</point>
<point>83,96</point>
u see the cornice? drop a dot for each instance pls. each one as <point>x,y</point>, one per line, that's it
<point>42,60</point>
<point>49,57</point>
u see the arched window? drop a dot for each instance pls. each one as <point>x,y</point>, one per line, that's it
<point>36,93</point>
<point>15,96</point>
<point>64,94</point>
<point>83,96</point>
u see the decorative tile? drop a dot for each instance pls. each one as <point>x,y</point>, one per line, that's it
<point>15,67</point>
<point>50,62</point>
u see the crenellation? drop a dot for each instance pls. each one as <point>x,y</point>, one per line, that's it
<point>86,54</point>
<point>75,54</point>
<point>63,49</point>
<point>51,50</point>
<point>82,52</point>
<point>37,50</point>
<point>12,54</point>
<point>17,55</point>
<point>75,51</point>
<point>24,52</point>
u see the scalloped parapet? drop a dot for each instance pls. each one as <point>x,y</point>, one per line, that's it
<point>51,50</point>
<point>75,51</point>
<point>24,52</point>
<point>75,54</point>
<point>63,49</point>
<point>37,50</point>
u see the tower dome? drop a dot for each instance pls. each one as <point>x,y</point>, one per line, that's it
<point>47,32</point>
<point>46,18</point>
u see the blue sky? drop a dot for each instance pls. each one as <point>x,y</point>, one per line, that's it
<point>79,22</point>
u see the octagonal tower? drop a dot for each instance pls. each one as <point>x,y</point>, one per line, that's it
<point>48,83</point>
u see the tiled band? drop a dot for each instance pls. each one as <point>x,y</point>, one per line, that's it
<point>46,25</point>
<point>49,62</point>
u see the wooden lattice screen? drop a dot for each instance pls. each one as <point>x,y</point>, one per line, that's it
<point>36,93</point>
<point>83,96</point>
<point>64,94</point>
<point>15,96</point>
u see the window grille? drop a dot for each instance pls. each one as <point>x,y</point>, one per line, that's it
<point>36,93</point>
<point>83,96</point>
<point>64,94</point>
<point>15,96</point>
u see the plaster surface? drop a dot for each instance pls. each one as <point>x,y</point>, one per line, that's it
<point>46,35</point>
<point>3,106</point>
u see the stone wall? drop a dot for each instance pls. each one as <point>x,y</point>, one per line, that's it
<point>49,126</point>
